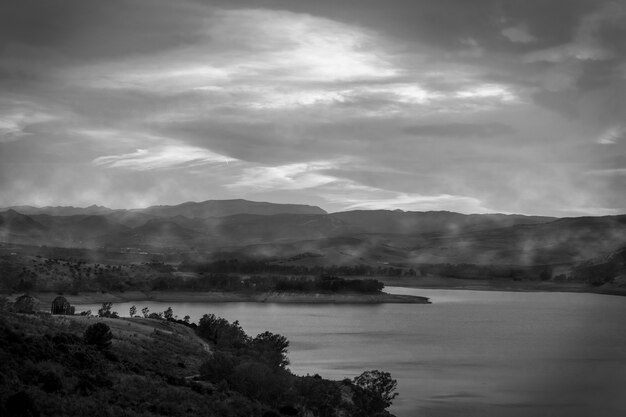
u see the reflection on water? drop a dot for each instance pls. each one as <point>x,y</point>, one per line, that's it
<point>469,353</point>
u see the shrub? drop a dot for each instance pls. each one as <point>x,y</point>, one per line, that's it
<point>50,382</point>
<point>98,335</point>
<point>219,367</point>
<point>257,380</point>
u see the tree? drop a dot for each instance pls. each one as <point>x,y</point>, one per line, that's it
<point>272,349</point>
<point>98,335</point>
<point>222,333</point>
<point>105,311</point>
<point>145,311</point>
<point>168,314</point>
<point>133,311</point>
<point>374,391</point>
<point>186,319</point>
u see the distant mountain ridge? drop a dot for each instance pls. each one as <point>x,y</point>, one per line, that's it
<point>222,208</point>
<point>288,230</point>
<point>191,209</point>
<point>60,210</point>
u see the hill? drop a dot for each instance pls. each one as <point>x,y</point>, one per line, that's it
<point>17,227</point>
<point>149,367</point>
<point>221,208</point>
<point>61,210</point>
<point>253,229</point>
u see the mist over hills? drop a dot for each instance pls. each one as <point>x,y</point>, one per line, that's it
<point>256,229</point>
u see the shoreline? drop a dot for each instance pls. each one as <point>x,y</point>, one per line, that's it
<point>440,283</point>
<point>227,297</point>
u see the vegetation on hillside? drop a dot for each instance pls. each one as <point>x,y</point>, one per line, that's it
<point>102,366</point>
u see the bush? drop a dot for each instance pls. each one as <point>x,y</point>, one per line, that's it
<point>98,335</point>
<point>50,382</point>
<point>219,367</point>
<point>320,396</point>
<point>258,381</point>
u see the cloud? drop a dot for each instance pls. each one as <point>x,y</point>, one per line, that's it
<point>460,130</point>
<point>172,156</point>
<point>244,46</point>
<point>608,172</point>
<point>314,101</point>
<point>586,44</point>
<point>17,116</point>
<point>518,34</point>
<point>612,135</point>
<point>286,177</point>
<point>416,202</point>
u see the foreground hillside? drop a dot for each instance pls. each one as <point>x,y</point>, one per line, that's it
<point>80,366</point>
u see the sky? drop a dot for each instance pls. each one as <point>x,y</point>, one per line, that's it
<point>513,106</point>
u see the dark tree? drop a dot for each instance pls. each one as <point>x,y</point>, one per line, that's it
<point>222,333</point>
<point>272,349</point>
<point>374,391</point>
<point>99,335</point>
<point>105,311</point>
<point>168,314</point>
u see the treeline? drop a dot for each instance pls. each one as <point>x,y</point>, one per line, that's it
<point>473,271</point>
<point>600,273</point>
<point>256,368</point>
<point>236,266</point>
<point>464,270</point>
<point>279,283</point>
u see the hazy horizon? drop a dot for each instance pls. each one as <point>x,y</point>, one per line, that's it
<point>272,202</point>
<point>486,106</point>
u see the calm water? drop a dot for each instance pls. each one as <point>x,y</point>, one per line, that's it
<point>468,354</point>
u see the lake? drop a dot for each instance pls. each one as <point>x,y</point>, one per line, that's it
<point>470,353</point>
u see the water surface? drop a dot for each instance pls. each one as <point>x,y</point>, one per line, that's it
<point>470,353</point>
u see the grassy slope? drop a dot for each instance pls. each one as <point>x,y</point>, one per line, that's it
<point>155,368</point>
<point>143,375</point>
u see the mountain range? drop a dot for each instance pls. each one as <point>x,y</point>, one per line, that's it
<point>260,229</point>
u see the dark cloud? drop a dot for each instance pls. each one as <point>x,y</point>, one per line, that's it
<point>78,29</point>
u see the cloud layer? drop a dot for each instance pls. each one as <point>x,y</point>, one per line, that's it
<point>514,107</point>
